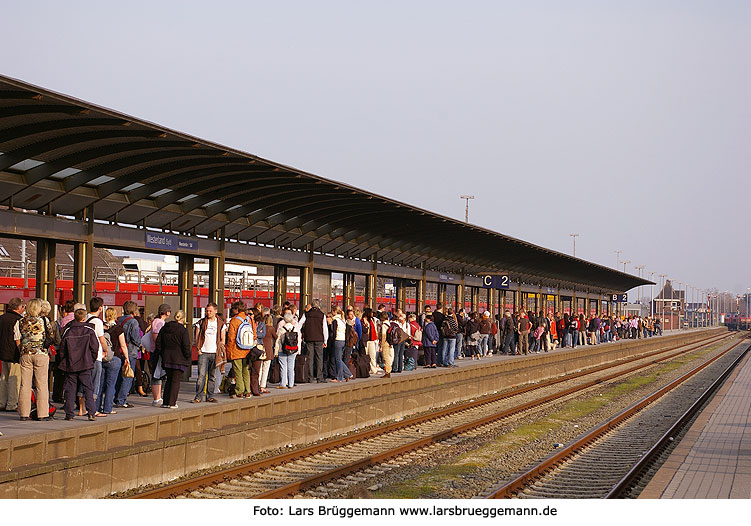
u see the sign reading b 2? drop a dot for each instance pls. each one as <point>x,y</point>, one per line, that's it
<point>619,298</point>
<point>496,282</point>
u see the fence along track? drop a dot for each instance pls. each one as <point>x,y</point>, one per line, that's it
<point>288,464</point>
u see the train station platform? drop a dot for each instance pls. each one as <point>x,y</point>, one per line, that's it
<point>147,445</point>
<point>713,460</point>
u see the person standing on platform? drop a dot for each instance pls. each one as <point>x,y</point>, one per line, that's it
<point>96,308</point>
<point>238,356</point>
<point>209,335</point>
<point>157,376</point>
<point>370,338</point>
<point>421,320</point>
<point>430,341</point>
<point>486,327</point>
<point>523,326</point>
<point>105,397</point>
<point>438,317</point>
<point>78,352</point>
<point>10,343</point>
<point>132,333</point>
<point>269,341</point>
<point>507,333</point>
<point>315,332</point>
<point>35,360</point>
<point>288,344</point>
<point>387,351</point>
<point>449,329</point>
<point>173,347</point>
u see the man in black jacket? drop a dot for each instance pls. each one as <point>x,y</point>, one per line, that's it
<point>438,317</point>
<point>315,332</point>
<point>78,352</point>
<point>10,340</point>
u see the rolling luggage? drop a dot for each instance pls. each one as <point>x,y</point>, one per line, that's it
<point>275,373</point>
<point>362,365</point>
<point>301,369</point>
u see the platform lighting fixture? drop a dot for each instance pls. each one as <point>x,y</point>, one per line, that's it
<point>618,258</point>
<point>574,236</point>
<point>466,206</point>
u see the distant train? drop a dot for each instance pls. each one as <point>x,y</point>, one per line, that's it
<point>735,322</point>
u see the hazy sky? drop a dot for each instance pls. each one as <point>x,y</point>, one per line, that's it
<point>626,122</point>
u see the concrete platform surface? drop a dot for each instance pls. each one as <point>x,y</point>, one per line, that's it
<point>713,460</point>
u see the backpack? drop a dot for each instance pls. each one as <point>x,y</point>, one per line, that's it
<point>289,341</point>
<point>447,330</point>
<point>106,357</point>
<point>574,324</point>
<point>418,336</point>
<point>245,339</point>
<point>395,334</point>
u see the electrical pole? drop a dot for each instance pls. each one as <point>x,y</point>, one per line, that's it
<point>574,236</point>
<point>466,206</point>
<point>624,264</point>
<point>640,268</point>
<point>617,258</point>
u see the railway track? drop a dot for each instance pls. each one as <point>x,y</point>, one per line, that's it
<point>611,459</point>
<point>356,458</point>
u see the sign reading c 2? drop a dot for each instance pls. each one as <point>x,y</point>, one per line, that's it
<point>496,282</point>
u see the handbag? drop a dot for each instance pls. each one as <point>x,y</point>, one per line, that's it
<point>127,371</point>
<point>256,353</point>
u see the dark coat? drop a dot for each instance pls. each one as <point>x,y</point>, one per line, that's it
<point>8,349</point>
<point>79,348</point>
<point>173,345</point>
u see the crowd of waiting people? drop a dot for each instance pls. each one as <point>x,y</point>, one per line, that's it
<point>91,360</point>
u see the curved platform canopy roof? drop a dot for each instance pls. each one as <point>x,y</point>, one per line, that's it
<point>61,156</point>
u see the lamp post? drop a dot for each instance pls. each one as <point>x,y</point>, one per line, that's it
<point>651,296</point>
<point>574,236</point>
<point>640,268</point>
<point>618,258</point>
<point>466,206</point>
<point>662,303</point>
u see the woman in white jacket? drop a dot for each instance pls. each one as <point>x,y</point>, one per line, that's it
<point>287,346</point>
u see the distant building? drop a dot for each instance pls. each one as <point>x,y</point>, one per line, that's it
<point>670,306</point>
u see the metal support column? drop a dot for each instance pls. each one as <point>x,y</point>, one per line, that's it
<point>491,301</point>
<point>442,293</point>
<point>45,272</point>
<point>83,261</point>
<point>306,281</point>
<point>401,294</point>
<point>216,276</point>
<point>475,299</point>
<point>422,287</point>
<point>185,288</point>
<point>371,284</point>
<point>280,284</point>
<point>460,294</point>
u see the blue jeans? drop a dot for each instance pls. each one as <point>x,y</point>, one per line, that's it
<point>439,352</point>
<point>206,376</point>
<point>483,344</point>
<point>106,388</point>
<point>507,344</point>
<point>124,384</point>
<point>574,338</point>
<point>287,368</point>
<point>459,345</point>
<point>399,357</point>
<point>449,346</point>
<point>337,355</point>
<point>96,378</point>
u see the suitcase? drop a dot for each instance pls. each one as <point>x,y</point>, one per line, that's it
<point>352,369</point>
<point>301,369</point>
<point>275,373</point>
<point>362,366</point>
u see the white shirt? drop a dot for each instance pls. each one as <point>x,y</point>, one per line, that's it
<point>99,331</point>
<point>209,341</point>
